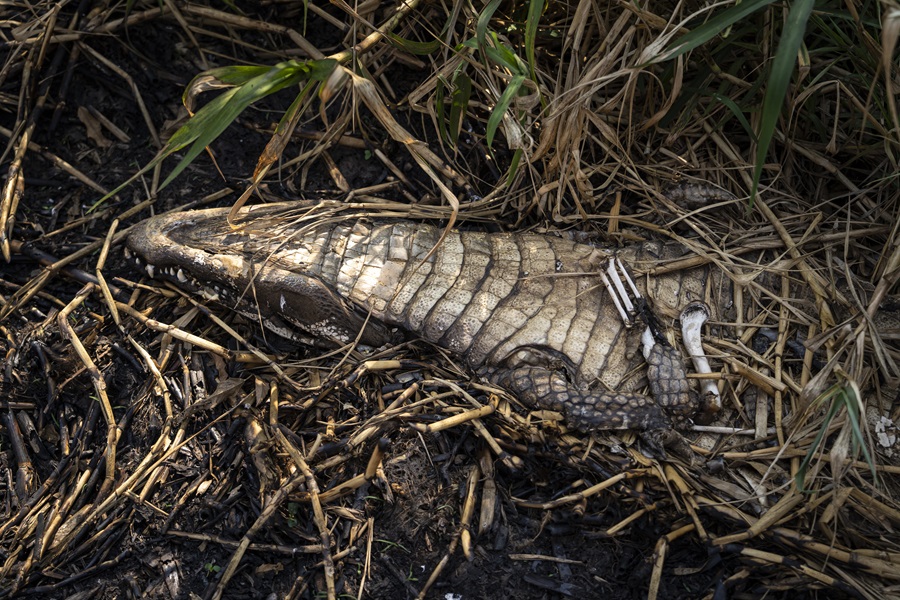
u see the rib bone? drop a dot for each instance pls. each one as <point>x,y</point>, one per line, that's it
<point>626,300</point>
<point>613,282</point>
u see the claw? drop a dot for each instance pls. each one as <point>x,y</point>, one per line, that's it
<point>692,319</point>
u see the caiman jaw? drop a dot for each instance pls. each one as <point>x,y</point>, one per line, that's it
<point>143,247</point>
<point>201,253</point>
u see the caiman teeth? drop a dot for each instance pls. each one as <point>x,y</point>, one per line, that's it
<point>127,253</point>
<point>150,270</point>
<point>181,276</point>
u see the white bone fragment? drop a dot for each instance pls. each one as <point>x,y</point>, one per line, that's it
<point>626,319</point>
<point>647,342</point>
<point>612,279</point>
<point>631,284</point>
<point>692,319</point>
<point>617,281</point>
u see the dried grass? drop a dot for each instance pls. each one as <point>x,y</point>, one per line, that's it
<point>799,481</point>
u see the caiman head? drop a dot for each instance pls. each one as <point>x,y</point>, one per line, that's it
<point>199,251</point>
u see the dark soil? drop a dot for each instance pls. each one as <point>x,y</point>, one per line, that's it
<point>404,522</point>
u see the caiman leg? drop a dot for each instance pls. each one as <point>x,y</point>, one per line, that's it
<point>672,401</point>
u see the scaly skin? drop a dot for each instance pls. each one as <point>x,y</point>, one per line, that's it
<point>527,310</point>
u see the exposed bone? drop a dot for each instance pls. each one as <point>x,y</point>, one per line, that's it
<point>647,342</point>
<point>692,319</point>
<point>620,288</point>
<point>612,279</point>
<point>628,278</point>
<point>625,304</point>
<point>626,319</point>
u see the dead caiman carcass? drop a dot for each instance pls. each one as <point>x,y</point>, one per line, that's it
<point>546,317</point>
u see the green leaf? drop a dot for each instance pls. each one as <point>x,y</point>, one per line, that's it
<point>712,28</point>
<point>439,87</point>
<point>513,166</point>
<point>248,84</point>
<point>779,80</point>
<point>483,19</point>
<point>737,112</point>
<point>412,46</point>
<point>320,70</point>
<point>210,121</point>
<point>535,8</point>
<point>501,55</point>
<point>502,105</point>
<point>231,75</point>
<point>201,121</point>
<point>853,413</point>
<point>841,395</point>
<point>462,92</point>
<point>830,394</point>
